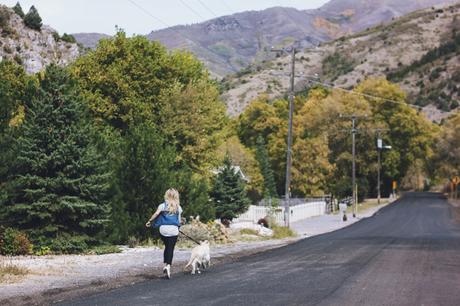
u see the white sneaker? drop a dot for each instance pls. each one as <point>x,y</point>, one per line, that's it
<point>167,271</point>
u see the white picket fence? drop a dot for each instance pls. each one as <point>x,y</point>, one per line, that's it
<point>298,212</point>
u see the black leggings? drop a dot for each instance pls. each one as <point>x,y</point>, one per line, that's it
<point>168,253</point>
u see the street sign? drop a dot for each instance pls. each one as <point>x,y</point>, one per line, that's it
<point>379,143</point>
<point>395,185</point>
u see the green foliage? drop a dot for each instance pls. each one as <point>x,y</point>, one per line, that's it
<point>105,249</point>
<point>269,190</point>
<point>145,172</point>
<point>57,182</point>
<point>4,17</point>
<point>228,193</point>
<point>447,149</point>
<point>448,47</point>
<point>42,251</point>
<point>68,38</point>
<point>18,10</point>
<point>14,242</point>
<point>195,196</point>
<point>280,232</point>
<point>335,65</point>
<point>67,244</point>
<point>32,19</point>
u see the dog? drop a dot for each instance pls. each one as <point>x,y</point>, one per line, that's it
<point>200,257</point>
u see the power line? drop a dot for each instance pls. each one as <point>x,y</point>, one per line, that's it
<point>207,8</point>
<point>192,9</point>
<point>159,20</point>
<point>350,91</point>
<point>148,13</point>
<point>228,7</point>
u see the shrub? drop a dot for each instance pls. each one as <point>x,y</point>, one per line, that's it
<point>56,36</point>
<point>68,38</point>
<point>42,251</point>
<point>4,17</point>
<point>14,242</point>
<point>67,244</point>
<point>105,249</point>
<point>280,232</point>
<point>133,242</point>
<point>32,19</point>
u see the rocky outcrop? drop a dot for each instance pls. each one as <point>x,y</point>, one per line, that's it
<point>30,48</point>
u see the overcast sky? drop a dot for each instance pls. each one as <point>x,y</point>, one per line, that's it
<point>142,16</point>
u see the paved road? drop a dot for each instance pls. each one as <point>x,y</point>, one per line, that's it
<point>407,254</point>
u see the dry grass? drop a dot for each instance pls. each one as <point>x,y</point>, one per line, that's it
<point>10,272</point>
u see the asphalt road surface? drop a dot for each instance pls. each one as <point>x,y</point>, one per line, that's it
<point>407,254</point>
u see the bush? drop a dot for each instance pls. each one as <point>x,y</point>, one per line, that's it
<point>105,249</point>
<point>14,242</point>
<point>68,38</point>
<point>67,244</point>
<point>4,17</point>
<point>280,232</point>
<point>133,242</point>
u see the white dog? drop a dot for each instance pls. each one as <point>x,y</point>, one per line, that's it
<point>200,257</point>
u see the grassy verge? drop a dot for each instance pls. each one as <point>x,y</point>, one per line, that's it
<point>105,249</point>
<point>10,271</point>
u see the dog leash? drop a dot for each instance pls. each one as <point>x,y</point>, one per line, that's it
<point>189,237</point>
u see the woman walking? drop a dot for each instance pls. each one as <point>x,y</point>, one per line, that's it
<point>167,217</point>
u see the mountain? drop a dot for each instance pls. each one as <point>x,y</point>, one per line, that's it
<point>419,51</point>
<point>89,40</point>
<point>230,43</point>
<point>33,49</point>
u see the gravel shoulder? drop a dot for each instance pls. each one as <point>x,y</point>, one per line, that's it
<point>54,278</point>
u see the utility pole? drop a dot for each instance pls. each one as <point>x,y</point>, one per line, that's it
<point>292,50</point>
<point>353,118</point>
<point>380,147</point>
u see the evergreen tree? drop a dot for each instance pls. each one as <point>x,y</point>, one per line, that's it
<point>18,10</point>
<point>57,184</point>
<point>269,189</point>
<point>32,19</point>
<point>144,174</point>
<point>228,193</point>
<point>194,196</point>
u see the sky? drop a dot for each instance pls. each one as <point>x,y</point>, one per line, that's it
<point>142,16</point>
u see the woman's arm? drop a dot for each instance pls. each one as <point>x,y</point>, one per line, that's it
<point>155,214</point>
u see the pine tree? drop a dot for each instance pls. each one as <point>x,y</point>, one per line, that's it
<point>269,190</point>
<point>195,195</point>
<point>18,10</point>
<point>144,174</point>
<point>32,19</point>
<point>228,193</point>
<point>57,185</point>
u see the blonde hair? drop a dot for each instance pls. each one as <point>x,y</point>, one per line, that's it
<point>172,200</point>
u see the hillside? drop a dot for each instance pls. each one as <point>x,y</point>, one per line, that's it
<point>419,51</point>
<point>230,43</point>
<point>89,40</point>
<point>33,49</point>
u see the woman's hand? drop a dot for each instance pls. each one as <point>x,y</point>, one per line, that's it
<point>147,224</point>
